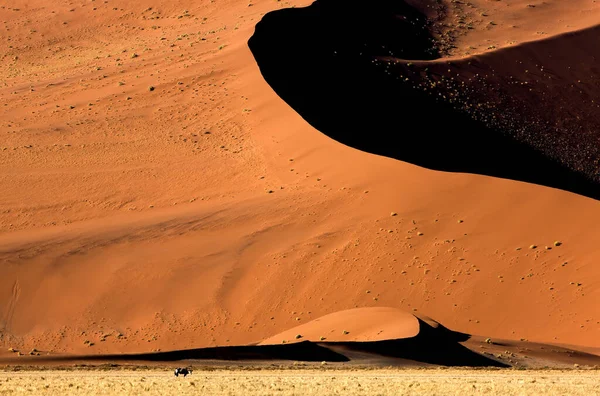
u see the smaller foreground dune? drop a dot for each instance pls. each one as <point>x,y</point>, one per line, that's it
<point>361,324</point>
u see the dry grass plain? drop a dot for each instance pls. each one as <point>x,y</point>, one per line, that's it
<point>304,382</point>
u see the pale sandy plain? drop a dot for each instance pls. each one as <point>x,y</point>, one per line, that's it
<point>303,382</point>
<point>158,195</point>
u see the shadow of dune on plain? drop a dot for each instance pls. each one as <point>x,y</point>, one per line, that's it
<point>319,60</point>
<point>304,351</point>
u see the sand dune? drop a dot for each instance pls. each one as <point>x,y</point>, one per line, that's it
<point>376,337</point>
<point>386,333</point>
<point>360,324</point>
<point>158,194</point>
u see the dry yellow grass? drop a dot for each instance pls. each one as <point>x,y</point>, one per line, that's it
<point>303,382</point>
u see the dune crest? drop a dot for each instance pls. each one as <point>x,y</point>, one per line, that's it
<point>359,324</point>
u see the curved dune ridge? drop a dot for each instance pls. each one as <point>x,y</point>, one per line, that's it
<point>360,324</point>
<point>173,179</point>
<point>525,112</point>
<point>464,29</point>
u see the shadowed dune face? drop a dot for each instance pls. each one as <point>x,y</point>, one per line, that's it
<point>541,93</point>
<point>336,65</point>
<point>387,332</point>
<point>437,346</point>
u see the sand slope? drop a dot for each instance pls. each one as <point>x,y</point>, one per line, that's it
<point>360,324</point>
<point>474,27</point>
<point>207,212</point>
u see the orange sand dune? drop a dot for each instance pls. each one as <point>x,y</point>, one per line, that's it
<point>388,333</point>
<point>359,324</point>
<point>158,195</point>
<point>377,336</point>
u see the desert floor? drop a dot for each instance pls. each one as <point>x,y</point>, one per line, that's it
<point>305,382</point>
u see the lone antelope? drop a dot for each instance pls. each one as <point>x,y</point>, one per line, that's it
<point>182,371</point>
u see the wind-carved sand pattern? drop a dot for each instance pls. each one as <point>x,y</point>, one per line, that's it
<point>10,309</point>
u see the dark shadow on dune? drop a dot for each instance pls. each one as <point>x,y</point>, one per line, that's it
<point>439,346</point>
<point>433,345</point>
<point>318,59</point>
